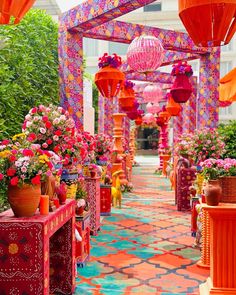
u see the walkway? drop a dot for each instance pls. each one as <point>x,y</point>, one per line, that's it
<point>145,247</point>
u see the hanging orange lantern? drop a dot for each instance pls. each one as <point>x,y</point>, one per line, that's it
<point>172,107</point>
<point>164,115</point>
<point>126,96</point>
<point>209,23</point>
<point>14,9</point>
<point>109,78</point>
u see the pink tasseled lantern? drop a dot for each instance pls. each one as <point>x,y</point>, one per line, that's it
<point>152,93</point>
<point>145,54</point>
<point>149,118</point>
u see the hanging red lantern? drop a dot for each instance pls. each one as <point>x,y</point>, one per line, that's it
<point>145,54</point>
<point>14,9</point>
<point>172,107</point>
<point>182,88</point>
<point>109,78</point>
<point>126,96</point>
<point>164,114</point>
<point>160,121</point>
<point>209,23</point>
<point>152,93</point>
<point>138,121</point>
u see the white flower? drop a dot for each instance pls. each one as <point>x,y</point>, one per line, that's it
<point>55,137</point>
<point>60,109</point>
<point>28,124</point>
<point>28,117</point>
<point>42,130</point>
<point>62,118</point>
<point>23,169</point>
<point>35,146</point>
<point>56,121</point>
<point>18,163</point>
<point>36,119</point>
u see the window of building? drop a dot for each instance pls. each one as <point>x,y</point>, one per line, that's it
<point>118,48</point>
<point>227,47</point>
<point>152,7</point>
<point>90,47</point>
<point>225,111</point>
<point>225,67</point>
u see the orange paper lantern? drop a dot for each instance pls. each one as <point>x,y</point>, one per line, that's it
<point>126,99</point>
<point>172,107</point>
<point>209,23</point>
<point>138,121</point>
<point>14,8</point>
<point>165,116</point>
<point>109,81</point>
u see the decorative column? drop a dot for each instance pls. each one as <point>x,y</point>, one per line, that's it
<point>101,113</point>
<point>132,145</point>
<point>118,146</point>
<point>127,163</point>
<point>208,100</point>
<point>222,278</point>
<point>163,145</point>
<point>108,116</point>
<point>71,73</point>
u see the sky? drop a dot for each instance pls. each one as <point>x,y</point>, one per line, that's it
<point>68,4</point>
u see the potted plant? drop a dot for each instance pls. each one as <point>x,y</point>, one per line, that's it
<point>93,170</point>
<point>80,197</point>
<point>212,189</point>
<point>109,78</point>
<point>182,88</point>
<point>21,171</point>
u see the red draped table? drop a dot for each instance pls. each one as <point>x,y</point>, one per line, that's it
<point>37,253</point>
<point>105,195</point>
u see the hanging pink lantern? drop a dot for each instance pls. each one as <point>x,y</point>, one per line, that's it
<point>155,108</point>
<point>152,93</point>
<point>145,54</point>
<point>149,118</point>
<point>148,107</point>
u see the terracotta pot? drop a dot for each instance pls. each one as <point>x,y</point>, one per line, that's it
<point>181,89</point>
<point>79,210</point>
<point>213,192</point>
<point>24,200</point>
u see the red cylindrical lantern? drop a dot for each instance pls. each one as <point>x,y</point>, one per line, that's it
<point>126,96</point>
<point>209,23</point>
<point>14,9</point>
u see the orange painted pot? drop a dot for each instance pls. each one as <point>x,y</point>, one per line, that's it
<point>213,192</point>
<point>24,200</point>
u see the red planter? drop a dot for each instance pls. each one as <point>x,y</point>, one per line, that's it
<point>181,89</point>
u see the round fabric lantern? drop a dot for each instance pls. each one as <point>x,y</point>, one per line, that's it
<point>145,54</point>
<point>154,109</point>
<point>14,10</point>
<point>148,107</point>
<point>209,23</point>
<point>172,107</point>
<point>152,93</point>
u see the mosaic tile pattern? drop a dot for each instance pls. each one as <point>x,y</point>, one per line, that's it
<point>145,247</point>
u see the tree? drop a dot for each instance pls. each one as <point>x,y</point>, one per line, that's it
<point>228,132</point>
<point>28,69</point>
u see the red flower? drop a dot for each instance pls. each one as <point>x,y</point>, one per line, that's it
<point>35,180</point>
<point>32,137</point>
<point>11,172</point>
<point>45,118</point>
<point>58,132</point>
<point>1,176</point>
<point>56,149</point>
<point>50,165</point>
<point>12,158</point>
<point>49,141</point>
<point>5,142</point>
<point>48,124</point>
<point>28,153</point>
<point>34,110</point>
<point>14,181</point>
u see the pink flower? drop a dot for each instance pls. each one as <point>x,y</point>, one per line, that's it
<point>44,145</point>
<point>42,130</point>
<point>1,176</point>
<point>55,137</point>
<point>23,169</point>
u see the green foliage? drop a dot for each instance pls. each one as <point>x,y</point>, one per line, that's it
<point>228,132</point>
<point>28,69</point>
<point>95,105</point>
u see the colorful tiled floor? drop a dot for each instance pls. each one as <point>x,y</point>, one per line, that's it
<point>145,247</point>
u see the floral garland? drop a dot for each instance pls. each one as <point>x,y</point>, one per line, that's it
<point>129,84</point>
<point>182,68</point>
<point>110,60</point>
